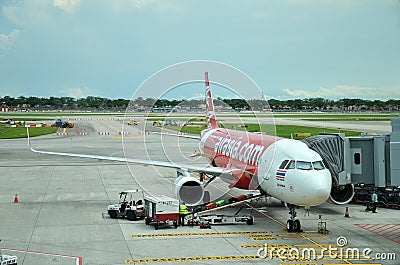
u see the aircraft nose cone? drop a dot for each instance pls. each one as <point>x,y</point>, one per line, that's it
<point>321,194</point>
<point>321,187</point>
<point>317,188</point>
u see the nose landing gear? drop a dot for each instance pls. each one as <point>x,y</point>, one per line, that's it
<point>293,224</point>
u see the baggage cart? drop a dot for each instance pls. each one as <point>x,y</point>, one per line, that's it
<point>161,210</point>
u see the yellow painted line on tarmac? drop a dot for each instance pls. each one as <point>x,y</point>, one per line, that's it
<point>305,236</point>
<point>303,233</point>
<point>297,236</point>
<point>199,234</point>
<point>263,238</point>
<point>266,234</point>
<point>285,246</point>
<point>112,154</point>
<point>192,259</point>
<point>268,216</point>
<point>312,245</point>
<point>252,246</point>
<point>346,260</point>
<point>44,146</point>
<point>311,240</point>
<point>286,234</point>
<point>259,237</point>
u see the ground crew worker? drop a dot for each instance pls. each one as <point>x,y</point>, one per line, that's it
<point>374,200</point>
<point>183,211</point>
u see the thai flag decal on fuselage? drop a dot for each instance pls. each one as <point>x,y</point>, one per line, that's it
<point>280,174</point>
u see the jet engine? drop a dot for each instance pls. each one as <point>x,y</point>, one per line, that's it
<point>188,189</point>
<point>342,194</point>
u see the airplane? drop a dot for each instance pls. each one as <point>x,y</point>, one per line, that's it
<point>285,169</point>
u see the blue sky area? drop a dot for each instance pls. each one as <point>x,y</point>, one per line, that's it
<point>290,48</point>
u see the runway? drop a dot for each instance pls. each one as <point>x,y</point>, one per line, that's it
<point>60,217</point>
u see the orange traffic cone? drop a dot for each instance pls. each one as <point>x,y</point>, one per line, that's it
<point>347,215</point>
<point>16,198</point>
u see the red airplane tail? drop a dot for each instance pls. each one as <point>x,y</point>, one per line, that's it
<point>210,113</point>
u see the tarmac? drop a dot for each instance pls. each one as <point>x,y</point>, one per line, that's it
<point>61,214</point>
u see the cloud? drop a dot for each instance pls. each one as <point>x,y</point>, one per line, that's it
<point>346,91</point>
<point>76,92</point>
<point>66,5</point>
<point>6,41</point>
<point>30,13</point>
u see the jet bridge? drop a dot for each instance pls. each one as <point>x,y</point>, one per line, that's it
<point>369,159</point>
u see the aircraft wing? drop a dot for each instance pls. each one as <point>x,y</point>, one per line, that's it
<point>190,168</point>
<point>215,171</point>
<point>197,137</point>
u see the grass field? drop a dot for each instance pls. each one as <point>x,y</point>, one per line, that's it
<point>304,116</point>
<point>286,131</point>
<point>58,114</point>
<point>20,132</point>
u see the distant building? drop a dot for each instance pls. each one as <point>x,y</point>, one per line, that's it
<point>158,110</point>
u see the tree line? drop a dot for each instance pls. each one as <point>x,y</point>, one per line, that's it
<point>99,103</point>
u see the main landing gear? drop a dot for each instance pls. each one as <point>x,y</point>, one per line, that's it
<point>293,224</point>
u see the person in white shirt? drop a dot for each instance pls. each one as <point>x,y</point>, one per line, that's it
<point>374,200</point>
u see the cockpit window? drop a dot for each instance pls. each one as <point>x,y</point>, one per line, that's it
<point>283,165</point>
<point>291,165</point>
<point>318,165</point>
<point>303,165</point>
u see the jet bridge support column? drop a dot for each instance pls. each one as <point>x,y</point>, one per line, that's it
<point>395,153</point>
<point>379,161</point>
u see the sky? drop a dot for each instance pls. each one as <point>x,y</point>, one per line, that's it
<point>288,48</point>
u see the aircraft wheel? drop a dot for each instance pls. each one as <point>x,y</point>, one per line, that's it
<point>289,225</point>
<point>131,215</point>
<point>113,214</point>
<point>232,200</point>
<point>250,221</point>
<point>297,226</point>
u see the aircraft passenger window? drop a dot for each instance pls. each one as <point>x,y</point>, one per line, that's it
<point>303,165</point>
<point>291,165</point>
<point>283,165</point>
<point>357,158</point>
<point>318,165</point>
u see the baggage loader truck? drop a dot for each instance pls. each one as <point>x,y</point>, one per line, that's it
<point>161,210</point>
<point>8,260</point>
<point>130,205</point>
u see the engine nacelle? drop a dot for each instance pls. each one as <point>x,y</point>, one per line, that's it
<point>342,194</point>
<point>188,189</point>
